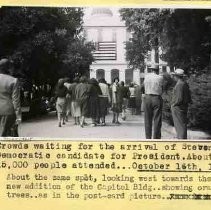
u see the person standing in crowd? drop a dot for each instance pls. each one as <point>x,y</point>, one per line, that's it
<point>67,84</point>
<point>105,99</point>
<point>138,94</point>
<point>10,106</point>
<point>75,106</point>
<point>116,104</point>
<point>35,102</point>
<point>94,101</point>
<point>153,86</point>
<point>82,91</point>
<point>124,96</point>
<point>179,106</point>
<point>61,92</point>
<point>132,99</point>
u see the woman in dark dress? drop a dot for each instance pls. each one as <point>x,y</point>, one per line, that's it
<point>94,101</point>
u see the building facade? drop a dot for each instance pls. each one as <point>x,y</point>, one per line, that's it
<point>104,27</point>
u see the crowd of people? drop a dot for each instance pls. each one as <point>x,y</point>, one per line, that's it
<point>37,100</point>
<point>89,98</point>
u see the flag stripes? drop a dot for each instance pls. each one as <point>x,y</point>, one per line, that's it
<point>105,51</point>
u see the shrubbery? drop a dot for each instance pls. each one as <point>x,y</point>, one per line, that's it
<point>200,110</point>
<point>167,107</point>
<point>167,94</point>
<point>199,114</point>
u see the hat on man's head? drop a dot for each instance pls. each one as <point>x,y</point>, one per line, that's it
<point>154,66</point>
<point>4,65</point>
<point>179,72</point>
<point>4,61</point>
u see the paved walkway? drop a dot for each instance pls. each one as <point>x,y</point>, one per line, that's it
<point>192,134</point>
<point>131,129</point>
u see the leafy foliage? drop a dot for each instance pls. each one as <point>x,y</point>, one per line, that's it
<point>183,35</point>
<point>78,57</point>
<point>185,39</point>
<point>40,40</point>
<point>146,26</point>
<point>199,114</point>
<point>200,109</point>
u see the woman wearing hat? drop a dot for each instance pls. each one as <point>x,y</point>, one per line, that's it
<point>179,107</point>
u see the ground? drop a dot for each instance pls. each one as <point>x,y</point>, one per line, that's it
<point>132,129</point>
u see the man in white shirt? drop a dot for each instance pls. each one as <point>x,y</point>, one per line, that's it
<point>153,85</point>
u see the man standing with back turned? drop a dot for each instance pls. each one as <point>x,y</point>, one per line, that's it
<point>10,109</point>
<point>153,86</point>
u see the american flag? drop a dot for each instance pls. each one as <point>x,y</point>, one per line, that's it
<point>105,51</point>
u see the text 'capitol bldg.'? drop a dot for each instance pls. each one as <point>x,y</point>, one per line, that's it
<point>105,28</point>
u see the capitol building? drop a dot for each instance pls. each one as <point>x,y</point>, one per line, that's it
<point>104,27</point>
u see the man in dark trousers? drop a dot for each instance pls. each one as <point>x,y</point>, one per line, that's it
<point>10,108</point>
<point>153,87</point>
<point>179,107</point>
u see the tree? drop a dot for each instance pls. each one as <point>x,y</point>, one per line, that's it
<point>186,40</point>
<point>78,57</point>
<point>39,41</point>
<point>146,26</point>
<point>183,36</point>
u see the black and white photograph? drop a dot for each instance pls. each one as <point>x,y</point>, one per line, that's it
<point>105,73</point>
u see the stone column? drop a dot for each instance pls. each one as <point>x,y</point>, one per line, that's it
<point>136,76</point>
<point>92,73</point>
<point>122,75</point>
<point>108,76</point>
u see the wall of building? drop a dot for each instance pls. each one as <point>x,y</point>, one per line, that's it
<point>108,28</point>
